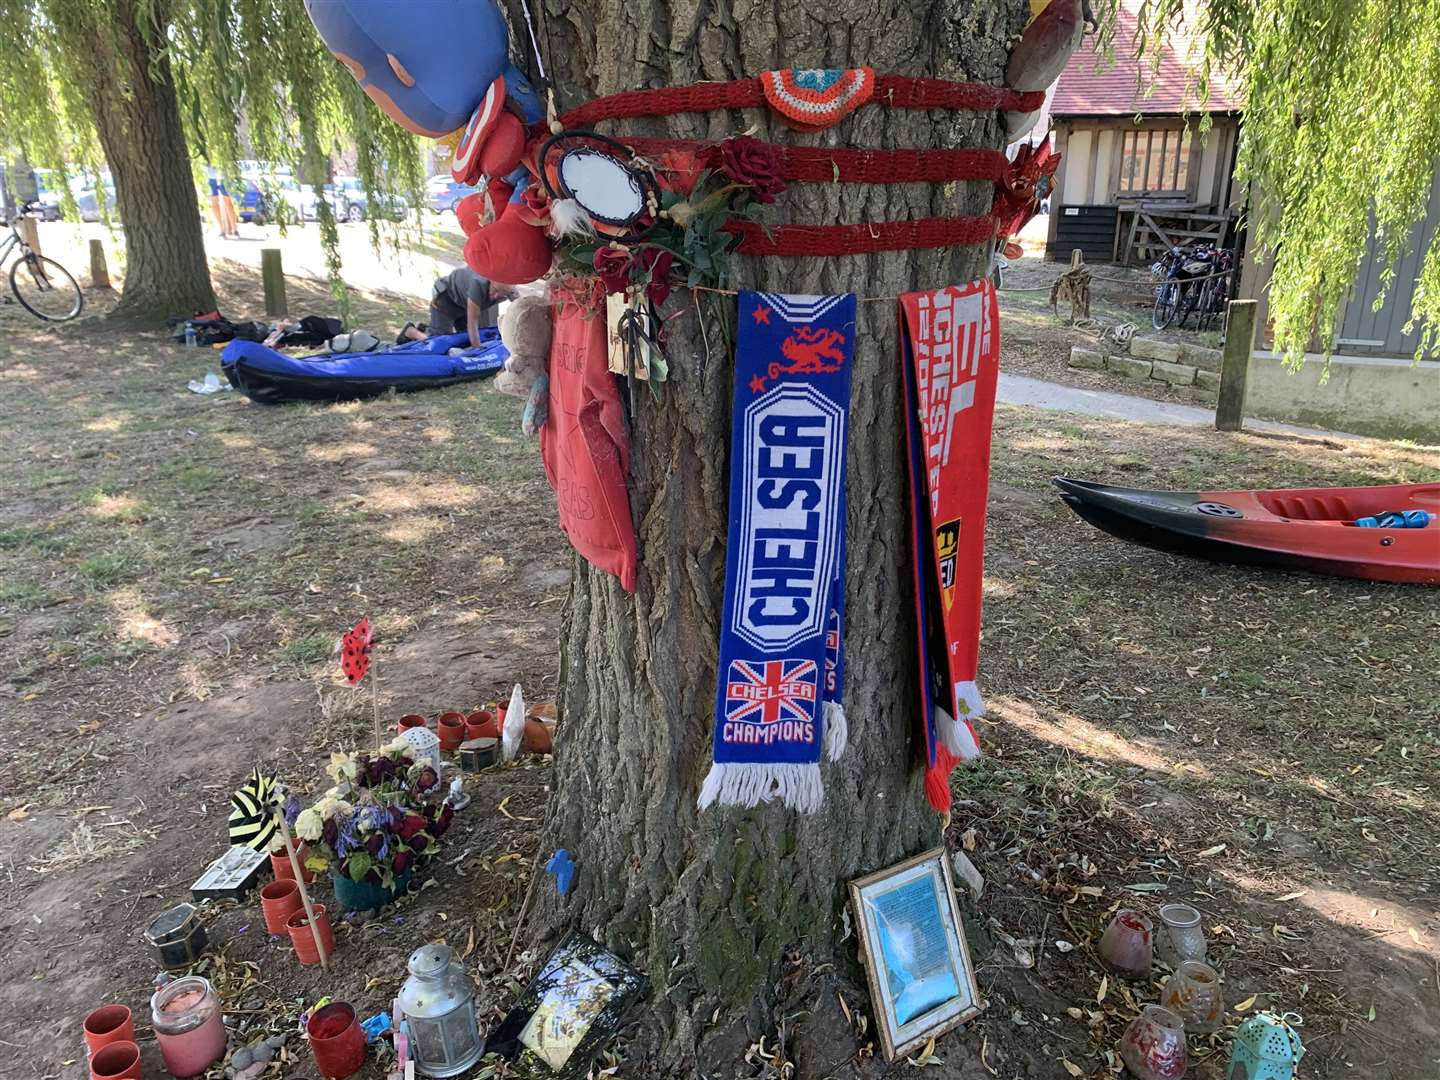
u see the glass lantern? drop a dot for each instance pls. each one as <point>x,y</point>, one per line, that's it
<point>437,1003</point>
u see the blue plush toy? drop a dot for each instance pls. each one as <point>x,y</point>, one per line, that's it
<point>426,63</point>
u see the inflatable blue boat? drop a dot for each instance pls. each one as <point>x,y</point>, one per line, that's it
<point>272,378</point>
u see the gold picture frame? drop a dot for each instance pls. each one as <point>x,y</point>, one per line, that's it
<point>917,961</point>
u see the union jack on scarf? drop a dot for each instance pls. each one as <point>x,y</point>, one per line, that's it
<point>781,654</point>
<point>950,342</point>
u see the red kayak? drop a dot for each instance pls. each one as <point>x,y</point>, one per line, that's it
<point>1302,528</point>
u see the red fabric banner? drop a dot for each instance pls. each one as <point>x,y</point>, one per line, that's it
<point>952,340</point>
<point>585,444</point>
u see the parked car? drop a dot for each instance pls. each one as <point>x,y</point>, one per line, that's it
<point>87,198</point>
<point>444,193</point>
<point>349,202</point>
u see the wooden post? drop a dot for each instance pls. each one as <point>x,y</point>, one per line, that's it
<point>30,233</point>
<point>375,700</point>
<point>1239,343</point>
<point>300,883</point>
<point>99,272</point>
<point>272,274</point>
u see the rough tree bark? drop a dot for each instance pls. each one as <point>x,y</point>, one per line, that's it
<point>137,117</point>
<point>709,904</point>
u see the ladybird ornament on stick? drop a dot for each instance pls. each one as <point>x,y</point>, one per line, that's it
<point>356,663</point>
<point>355,651</point>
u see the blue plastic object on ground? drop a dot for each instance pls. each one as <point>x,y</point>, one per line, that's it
<point>375,1026</point>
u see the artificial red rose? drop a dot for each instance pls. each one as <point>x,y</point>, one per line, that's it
<point>535,208</point>
<point>374,842</point>
<point>420,842</point>
<point>679,170</point>
<point>412,825</point>
<point>442,822</point>
<point>658,262</point>
<point>613,266</point>
<point>428,779</point>
<point>330,832</point>
<point>747,160</point>
<point>401,862</point>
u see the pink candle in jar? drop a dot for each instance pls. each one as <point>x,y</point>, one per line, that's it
<point>188,1025</point>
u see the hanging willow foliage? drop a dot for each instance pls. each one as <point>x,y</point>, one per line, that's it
<point>1340,142</point>
<point>253,80</point>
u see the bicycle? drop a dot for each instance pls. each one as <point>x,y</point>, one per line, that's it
<point>43,287</point>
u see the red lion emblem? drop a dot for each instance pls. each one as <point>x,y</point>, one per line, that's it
<point>807,349</point>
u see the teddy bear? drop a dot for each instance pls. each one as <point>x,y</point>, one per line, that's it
<point>525,331</point>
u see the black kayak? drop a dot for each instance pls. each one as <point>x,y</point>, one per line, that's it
<point>1314,529</point>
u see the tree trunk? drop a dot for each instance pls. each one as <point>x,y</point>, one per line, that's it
<point>710,904</point>
<point>137,116</point>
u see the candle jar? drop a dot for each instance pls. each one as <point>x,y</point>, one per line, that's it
<point>188,1026</point>
<point>1153,1046</point>
<point>1193,994</point>
<point>336,1041</point>
<point>1126,947</point>
<point>1180,936</point>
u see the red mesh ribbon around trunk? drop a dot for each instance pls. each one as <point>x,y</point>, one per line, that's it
<point>818,164</point>
<point>895,91</point>
<point>831,240</point>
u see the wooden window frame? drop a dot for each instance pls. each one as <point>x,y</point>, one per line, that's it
<point>1151,146</point>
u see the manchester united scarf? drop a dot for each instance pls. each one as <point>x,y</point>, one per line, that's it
<point>780,679</point>
<point>950,341</point>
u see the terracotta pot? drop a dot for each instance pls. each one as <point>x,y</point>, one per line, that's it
<point>118,1061</point>
<point>108,1024</point>
<point>451,729</point>
<point>304,941</point>
<point>336,1040</point>
<point>278,901</point>
<point>280,864</point>
<point>481,725</point>
<point>539,737</point>
<point>408,721</point>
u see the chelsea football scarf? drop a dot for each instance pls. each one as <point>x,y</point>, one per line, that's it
<point>781,657</point>
<point>950,343</point>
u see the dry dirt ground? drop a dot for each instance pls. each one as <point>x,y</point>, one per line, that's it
<point>1037,343</point>
<point>174,570</point>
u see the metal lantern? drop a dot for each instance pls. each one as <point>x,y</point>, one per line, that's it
<point>437,1003</point>
<point>425,743</point>
<point>1266,1047</point>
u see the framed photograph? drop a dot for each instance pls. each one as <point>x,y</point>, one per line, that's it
<point>572,1008</point>
<point>916,959</point>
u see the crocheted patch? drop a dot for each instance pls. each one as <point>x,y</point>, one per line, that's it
<point>816,98</point>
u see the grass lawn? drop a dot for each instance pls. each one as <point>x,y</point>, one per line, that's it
<point>175,569</point>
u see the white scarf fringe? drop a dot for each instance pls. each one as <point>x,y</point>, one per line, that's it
<point>797,786</point>
<point>837,731</point>
<point>956,735</point>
